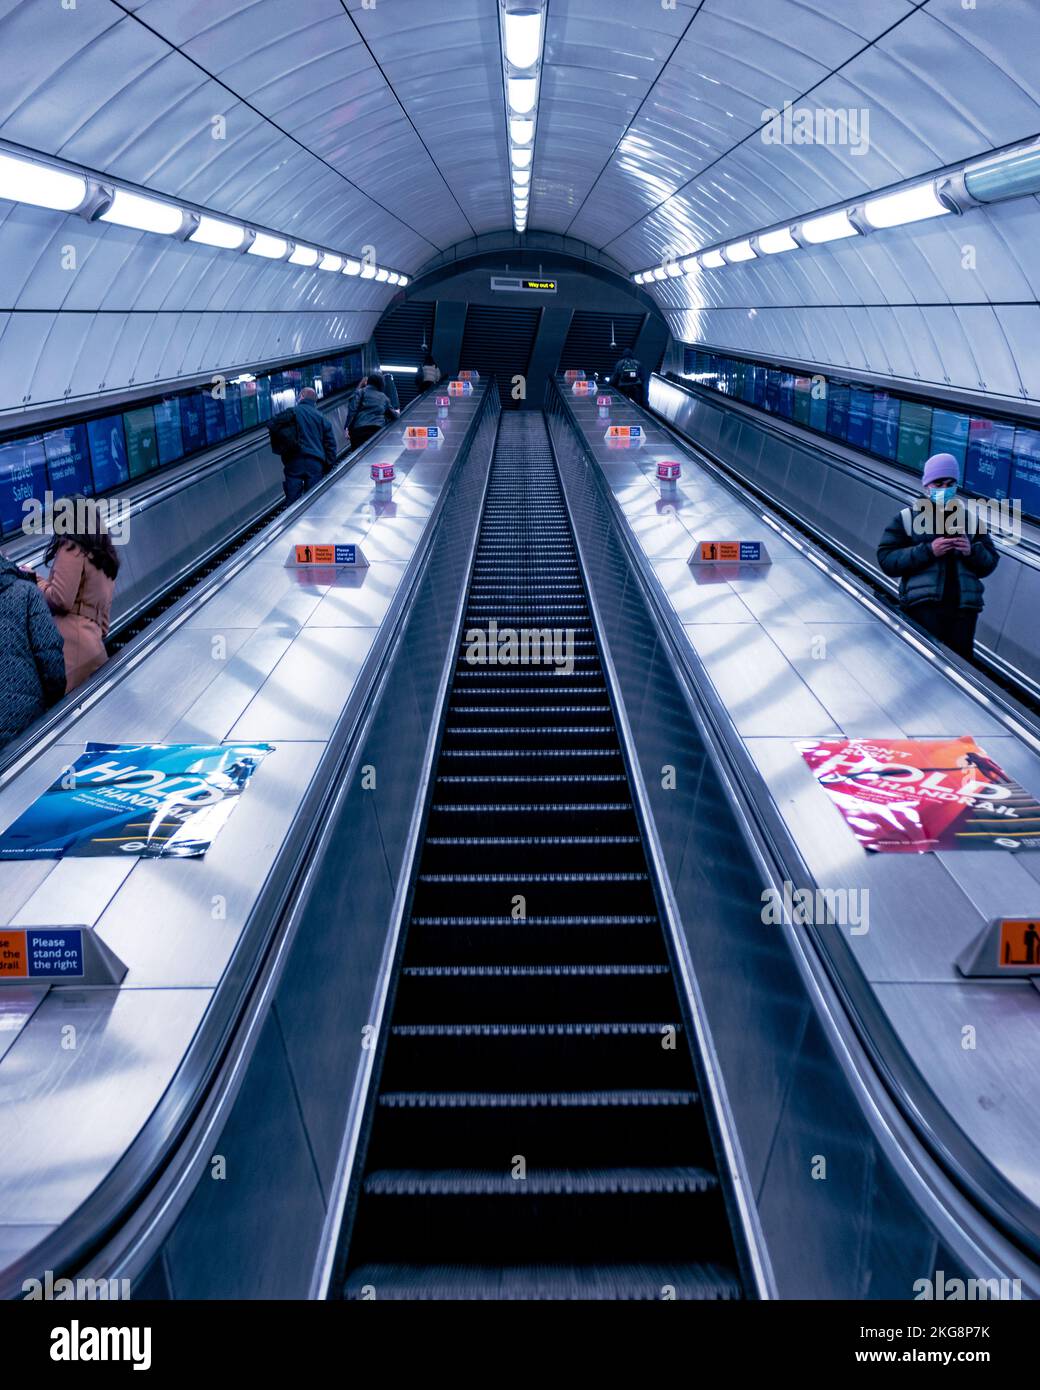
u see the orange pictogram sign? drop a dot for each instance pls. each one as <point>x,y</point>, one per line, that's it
<point>1019,943</point>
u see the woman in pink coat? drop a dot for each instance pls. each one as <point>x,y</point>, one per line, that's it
<point>79,594</point>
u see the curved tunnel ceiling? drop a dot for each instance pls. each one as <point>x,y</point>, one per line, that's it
<point>348,125</point>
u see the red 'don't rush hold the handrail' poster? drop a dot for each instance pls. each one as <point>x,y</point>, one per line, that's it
<point>910,796</point>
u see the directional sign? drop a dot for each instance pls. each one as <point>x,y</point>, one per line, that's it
<point>624,436</point>
<point>730,553</point>
<point>523,285</point>
<point>337,553</point>
<point>53,955</point>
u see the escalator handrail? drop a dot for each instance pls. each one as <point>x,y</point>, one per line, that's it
<point>128,1214</point>
<point>967,1168</point>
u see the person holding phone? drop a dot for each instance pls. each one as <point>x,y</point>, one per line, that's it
<point>940,556</point>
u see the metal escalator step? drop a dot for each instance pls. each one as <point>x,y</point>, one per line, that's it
<point>531,1030</point>
<point>571,1129</point>
<point>619,920</point>
<point>479,841</point>
<point>525,876</point>
<point>512,992</point>
<point>530,753</point>
<point>538,807</point>
<point>544,1282</point>
<point>526,730</point>
<point>535,1100</point>
<point>547,778</point>
<point>539,709</point>
<point>539,1182</point>
<point>415,1213</point>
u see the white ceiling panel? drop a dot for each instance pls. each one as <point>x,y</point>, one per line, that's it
<point>351,124</point>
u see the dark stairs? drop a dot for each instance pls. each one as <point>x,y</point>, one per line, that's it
<point>538,1039</point>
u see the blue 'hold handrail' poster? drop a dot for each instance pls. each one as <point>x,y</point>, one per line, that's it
<point>153,800</point>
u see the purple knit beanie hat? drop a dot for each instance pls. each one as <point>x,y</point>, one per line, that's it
<point>940,466</point>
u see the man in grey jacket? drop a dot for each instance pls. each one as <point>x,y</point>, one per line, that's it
<point>32,654</point>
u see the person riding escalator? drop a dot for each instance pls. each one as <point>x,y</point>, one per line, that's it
<point>627,377</point>
<point>370,409</point>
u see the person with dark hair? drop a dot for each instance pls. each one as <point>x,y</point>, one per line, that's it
<point>32,664</point>
<point>79,592</point>
<point>429,373</point>
<point>369,410</point>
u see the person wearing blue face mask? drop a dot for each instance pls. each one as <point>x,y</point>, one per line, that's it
<point>940,556</point>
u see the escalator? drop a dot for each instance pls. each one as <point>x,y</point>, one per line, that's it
<point>537,1132</point>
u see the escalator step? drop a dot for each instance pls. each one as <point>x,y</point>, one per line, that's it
<point>539,1182</point>
<point>515,1282</point>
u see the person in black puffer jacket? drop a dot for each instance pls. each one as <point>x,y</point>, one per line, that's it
<point>32,654</point>
<point>940,557</point>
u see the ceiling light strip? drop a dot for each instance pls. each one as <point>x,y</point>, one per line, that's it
<point>38,183</point>
<point>1013,174</point>
<point>522,25</point>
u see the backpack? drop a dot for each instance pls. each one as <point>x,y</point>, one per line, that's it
<point>284,431</point>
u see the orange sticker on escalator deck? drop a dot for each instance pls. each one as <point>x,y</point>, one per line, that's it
<point>720,550</point>
<point>13,958</point>
<point>1019,943</point>
<point>315,554</point>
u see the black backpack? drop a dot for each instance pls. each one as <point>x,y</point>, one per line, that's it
<point>284,430</point>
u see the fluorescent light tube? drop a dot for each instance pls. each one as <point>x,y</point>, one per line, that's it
<point>740,251</point>
<point>143,214</point>
<point>272,248</point>
<point>908,205</point>
<point>771,243</point>
<point>523,37</point>
<point>523,93</point>
<point>832,226</point>
<point>22,181</point>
